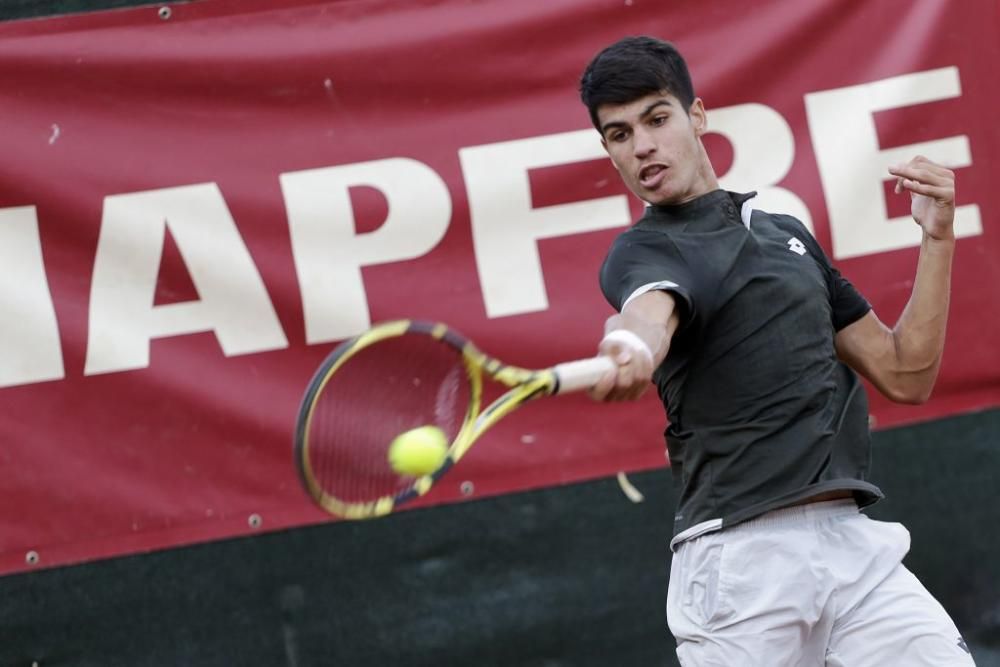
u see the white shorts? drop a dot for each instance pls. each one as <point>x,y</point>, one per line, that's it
<point>818,584</point>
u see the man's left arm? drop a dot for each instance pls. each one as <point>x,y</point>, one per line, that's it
<point>903,362</point>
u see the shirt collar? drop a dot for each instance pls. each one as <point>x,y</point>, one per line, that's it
<point>696,209</point>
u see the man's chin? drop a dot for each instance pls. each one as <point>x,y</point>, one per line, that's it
<point>659,198</point>
<point>668,196</point>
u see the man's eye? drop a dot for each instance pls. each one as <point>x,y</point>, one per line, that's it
<point>659,120</point>
<point>619,136</point>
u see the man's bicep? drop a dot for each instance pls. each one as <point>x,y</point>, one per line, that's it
<point>867,346</point>
<point>657,305</point>
<point>679,297</point>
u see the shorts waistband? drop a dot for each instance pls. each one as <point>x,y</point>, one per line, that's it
<point>797,514</point>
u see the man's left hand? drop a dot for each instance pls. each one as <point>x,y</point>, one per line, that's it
<point>932,195</point>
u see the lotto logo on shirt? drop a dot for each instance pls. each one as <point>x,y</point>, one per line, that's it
<point>796,246</point>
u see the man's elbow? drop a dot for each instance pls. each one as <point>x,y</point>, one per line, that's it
<point>909,397</point>
<point>909,391</point>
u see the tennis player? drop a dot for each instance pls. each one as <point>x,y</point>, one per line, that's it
<point>753,340</point>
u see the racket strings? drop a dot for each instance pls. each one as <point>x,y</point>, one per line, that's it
<point>385,389</point>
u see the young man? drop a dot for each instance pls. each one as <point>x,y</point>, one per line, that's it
<point>745,327</point>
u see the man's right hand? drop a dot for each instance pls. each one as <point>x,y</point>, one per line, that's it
<point>637,341</point>
<point>633,365</point>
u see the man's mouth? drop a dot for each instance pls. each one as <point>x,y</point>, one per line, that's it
<point>652,175</point>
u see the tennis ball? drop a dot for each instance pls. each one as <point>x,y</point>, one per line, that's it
<point>419,451</point>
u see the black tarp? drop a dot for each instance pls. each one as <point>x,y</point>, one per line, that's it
<point>568,576</point>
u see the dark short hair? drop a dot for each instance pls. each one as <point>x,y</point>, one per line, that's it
<point>631,68</point>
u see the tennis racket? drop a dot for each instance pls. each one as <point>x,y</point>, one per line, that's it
<point>399,376</point>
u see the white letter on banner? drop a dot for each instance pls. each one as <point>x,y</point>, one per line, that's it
<point>29,334</point>
<point>233,300</point>
<point>852,168</point>
<point>505,227</point>
<point>327,249</point>
<point>763,152</point>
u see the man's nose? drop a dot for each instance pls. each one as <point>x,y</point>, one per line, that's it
<point>643,145</point>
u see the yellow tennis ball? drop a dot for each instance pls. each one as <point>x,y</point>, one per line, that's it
<point>419,451</point>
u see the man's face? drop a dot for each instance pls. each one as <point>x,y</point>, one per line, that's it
<point>656,147</point>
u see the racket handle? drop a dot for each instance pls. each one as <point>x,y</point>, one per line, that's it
<point>582,374</point>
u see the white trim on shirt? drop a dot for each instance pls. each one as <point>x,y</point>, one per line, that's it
<point>746,211</point>
<point>649,287</point>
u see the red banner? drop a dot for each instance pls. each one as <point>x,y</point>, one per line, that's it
<point>196,205</point>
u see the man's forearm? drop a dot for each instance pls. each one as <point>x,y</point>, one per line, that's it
<point>920,332</point>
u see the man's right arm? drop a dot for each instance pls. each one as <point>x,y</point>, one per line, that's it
<point>637,340</point>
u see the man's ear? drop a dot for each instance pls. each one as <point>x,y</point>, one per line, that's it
<point>698,116</point>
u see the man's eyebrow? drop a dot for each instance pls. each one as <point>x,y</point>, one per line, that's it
<point>645,112</point>
<point>648,110</point>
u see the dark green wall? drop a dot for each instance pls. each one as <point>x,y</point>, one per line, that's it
<point>22,9</point>
<point>570,576</point>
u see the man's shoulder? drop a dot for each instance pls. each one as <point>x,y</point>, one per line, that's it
<point>782,221</point>
<point>636,233</point>
<point>788,227</point>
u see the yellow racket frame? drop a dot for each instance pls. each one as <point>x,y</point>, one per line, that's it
<point>524,385</point>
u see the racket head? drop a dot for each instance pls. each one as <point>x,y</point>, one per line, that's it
<point>394,377</point>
